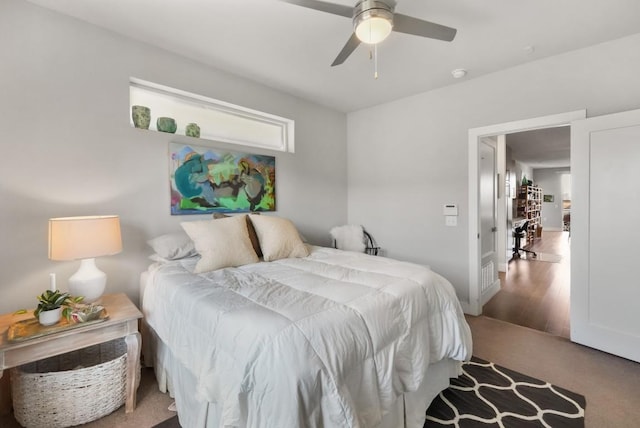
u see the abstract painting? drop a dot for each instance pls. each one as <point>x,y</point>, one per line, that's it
<point>206,180</point>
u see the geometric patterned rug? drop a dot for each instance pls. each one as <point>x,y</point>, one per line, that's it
<point>487,396</point>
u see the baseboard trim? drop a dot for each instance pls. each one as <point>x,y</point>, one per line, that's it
<point>490,292</point>
<point>474,310</point>
<point>466,308</point>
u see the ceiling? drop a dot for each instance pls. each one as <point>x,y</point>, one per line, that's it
<point>542,148</point>
<point>290,48</point>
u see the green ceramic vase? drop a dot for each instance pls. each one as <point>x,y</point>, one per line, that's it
<point>166,124</point>
<point>141,116</point>
<point>192,130</point>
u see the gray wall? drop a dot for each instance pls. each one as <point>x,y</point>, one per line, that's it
<point>550,181</point>
<point>409,157</point>
<point>68,148</point>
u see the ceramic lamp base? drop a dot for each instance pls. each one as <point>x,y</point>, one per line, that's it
<point>88,281</point>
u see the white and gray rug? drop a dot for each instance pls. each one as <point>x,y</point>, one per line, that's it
<point>542,257</point>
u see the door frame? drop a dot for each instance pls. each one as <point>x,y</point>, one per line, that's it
<point>474,307</point>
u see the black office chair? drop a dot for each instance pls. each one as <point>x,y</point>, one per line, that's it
<point>519,233</point>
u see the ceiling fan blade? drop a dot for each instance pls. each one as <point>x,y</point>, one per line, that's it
<point>351,45</point>
<point>336,9</point>
<point>418,27</point>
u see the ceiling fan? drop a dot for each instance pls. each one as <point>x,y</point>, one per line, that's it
<point>373,21</point>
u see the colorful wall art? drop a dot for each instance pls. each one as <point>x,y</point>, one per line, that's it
<point>206,180</point>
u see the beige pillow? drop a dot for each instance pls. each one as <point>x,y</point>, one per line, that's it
<point>252,232</point>
<point>279,238</point>
<point>221,243</point>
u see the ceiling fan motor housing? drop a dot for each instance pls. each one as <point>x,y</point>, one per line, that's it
<point>371,10</point>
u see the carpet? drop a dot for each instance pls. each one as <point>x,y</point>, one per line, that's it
<point>487,396</point>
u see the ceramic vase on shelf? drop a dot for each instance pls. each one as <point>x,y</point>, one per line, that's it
<point>166,124</point>
<point>51,317</point>
<point>141,116</point>
<point>192,130</point>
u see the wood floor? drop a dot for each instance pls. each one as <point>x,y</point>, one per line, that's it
<point>535,291</point>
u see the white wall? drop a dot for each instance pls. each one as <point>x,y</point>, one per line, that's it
<point>550,181</point>
<point>68,148</point>
<point>409,157</point>
<point>565,186</point>
<point>523,171</point>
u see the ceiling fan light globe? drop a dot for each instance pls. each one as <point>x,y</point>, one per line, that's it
<point>373,29</point>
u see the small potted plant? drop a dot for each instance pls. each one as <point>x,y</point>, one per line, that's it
<point>50,306</point>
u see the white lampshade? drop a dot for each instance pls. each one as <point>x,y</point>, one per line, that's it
<point>83,238</point>
<point>74,238</point>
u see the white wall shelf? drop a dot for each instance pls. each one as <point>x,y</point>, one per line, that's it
<point>218,120</point>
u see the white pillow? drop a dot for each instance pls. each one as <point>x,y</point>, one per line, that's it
<point>279,238</point>
<point>173,246</point>
<point>349,237</point>
<point>221,243</point>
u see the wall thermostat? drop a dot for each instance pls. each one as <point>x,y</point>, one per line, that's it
<point>450,209</point>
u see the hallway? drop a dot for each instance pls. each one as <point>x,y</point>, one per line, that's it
<point>535,290</point>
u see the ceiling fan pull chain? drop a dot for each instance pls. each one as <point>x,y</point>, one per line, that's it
<point>375,61</point>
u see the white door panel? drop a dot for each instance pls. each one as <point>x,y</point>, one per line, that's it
<point>488,218</point>
<point>487,199</point>
<point>605,289</point>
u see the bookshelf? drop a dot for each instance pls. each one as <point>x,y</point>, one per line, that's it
<point>528,207</point>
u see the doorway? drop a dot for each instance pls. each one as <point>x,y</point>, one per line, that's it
<point>535,291</point>
<point>477,295</point>
<point>535,266</point>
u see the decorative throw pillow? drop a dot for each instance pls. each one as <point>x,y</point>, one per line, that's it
<point>279,238</point>
<point>252,232</point>
<point>221,243</point>
<point>349,237</point>
<point>173,246</point>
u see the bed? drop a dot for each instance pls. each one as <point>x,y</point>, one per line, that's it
<point>325,338</point>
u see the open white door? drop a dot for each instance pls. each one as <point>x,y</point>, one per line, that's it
<point>605,284</point>
<point>489,281</point>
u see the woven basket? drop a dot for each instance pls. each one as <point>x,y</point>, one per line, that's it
<point>70,389</point>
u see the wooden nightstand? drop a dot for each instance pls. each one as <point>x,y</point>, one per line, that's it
<point>122,323</point>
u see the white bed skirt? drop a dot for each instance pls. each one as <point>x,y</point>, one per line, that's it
<point>175,379</point>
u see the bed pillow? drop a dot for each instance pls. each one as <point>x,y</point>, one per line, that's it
<point>221,243</point>
<point>173,246</point>
<point>349,237</point>
<point>252,232</point>
<point>279,238</point>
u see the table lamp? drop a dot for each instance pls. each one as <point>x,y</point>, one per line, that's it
<point>84,238</point>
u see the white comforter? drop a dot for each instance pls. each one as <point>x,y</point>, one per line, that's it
<point>328,340</point>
